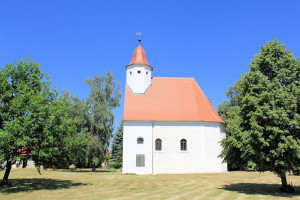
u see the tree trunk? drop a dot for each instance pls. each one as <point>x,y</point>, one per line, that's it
<point>93,168</point>
<point>24,163</point>
<point>6,175</point>
<point>283,181</point>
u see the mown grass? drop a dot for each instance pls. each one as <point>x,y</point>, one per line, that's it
<point>110,184</point>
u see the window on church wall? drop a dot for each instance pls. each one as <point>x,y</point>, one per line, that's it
<point>158,144</point>
<point>183,145</point>
<point>139,71</point>
<point>140,160</point>
<point>140,140</point>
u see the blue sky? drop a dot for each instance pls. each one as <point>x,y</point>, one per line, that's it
<point>212,41</point>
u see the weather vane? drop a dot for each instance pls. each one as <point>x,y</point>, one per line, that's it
<point>139,34</point>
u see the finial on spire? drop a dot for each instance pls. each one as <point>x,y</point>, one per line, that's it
<point>139,34</point>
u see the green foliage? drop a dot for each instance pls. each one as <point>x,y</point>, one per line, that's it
<point>115,165</point>
<point>104,98</point>
<point>94,120</point>
<point>59,134</point>
<point>31,116</point>
<point>78,146</point>
<point>264,120</point>
<point>117,146</point>
<point>233,141</point>
<point>223,109</point>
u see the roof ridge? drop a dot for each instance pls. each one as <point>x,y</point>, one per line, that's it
<point>176,77</point>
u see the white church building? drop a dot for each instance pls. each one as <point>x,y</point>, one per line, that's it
<point>169,124</point>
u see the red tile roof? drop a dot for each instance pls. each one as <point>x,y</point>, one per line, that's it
<point>23,151</point>
<point>170,99</point>
<point>139,57</point>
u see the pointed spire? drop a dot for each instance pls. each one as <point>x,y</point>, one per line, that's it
<point>139,56</point>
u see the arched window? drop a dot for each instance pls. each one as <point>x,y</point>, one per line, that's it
<point>140,140</point>
<point>183,145</point>
<point>158,144</point>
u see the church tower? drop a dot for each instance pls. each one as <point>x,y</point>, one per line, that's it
<point>138,72</point>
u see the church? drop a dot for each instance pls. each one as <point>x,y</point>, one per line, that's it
<point>169,124</point>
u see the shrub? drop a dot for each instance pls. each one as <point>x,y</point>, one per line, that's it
<point>115,165</point>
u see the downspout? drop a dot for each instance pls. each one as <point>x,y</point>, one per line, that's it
<point>152,146</point>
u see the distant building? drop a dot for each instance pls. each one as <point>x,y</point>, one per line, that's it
<point>169,124</point>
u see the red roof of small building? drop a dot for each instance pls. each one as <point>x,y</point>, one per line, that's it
<point>170,99</point>
<point>23,151</point>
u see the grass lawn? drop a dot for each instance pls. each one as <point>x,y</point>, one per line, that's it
<point>109,184</point>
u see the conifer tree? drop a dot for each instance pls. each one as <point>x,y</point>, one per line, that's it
<point>265,120</point>
<point>117,146</point>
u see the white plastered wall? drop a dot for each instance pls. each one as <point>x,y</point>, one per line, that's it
<point>132,131</point>
<point>138,82</point>
<point>203,147</point>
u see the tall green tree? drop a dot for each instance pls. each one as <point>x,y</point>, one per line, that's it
<point>95,120</point>
<point>104,98</point>
<point>78,144</point>
<point>265,127</point>
<point>229,112</point>
<point>59,132</point>
<point>30,115</point>
<point>117,145</point>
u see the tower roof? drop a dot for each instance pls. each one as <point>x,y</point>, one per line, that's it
<point>139,56</point>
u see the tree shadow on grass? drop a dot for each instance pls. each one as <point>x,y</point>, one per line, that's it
<point>29,185</point>
<point>87,171</point>
<point>260,189</point>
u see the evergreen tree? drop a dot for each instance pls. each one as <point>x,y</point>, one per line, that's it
<point>265,122</point>
<point>117,146</point>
